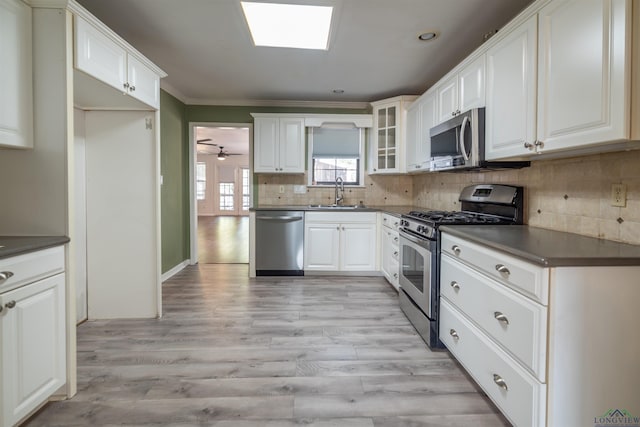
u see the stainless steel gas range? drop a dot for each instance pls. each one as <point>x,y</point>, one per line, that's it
<point>420,248</point>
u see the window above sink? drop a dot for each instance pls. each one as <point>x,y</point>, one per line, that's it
<point>336,152</point>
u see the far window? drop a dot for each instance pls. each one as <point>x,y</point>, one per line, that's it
<point>325,171</point>
<point>201,180</point>
<point>226,196</point>
<point>336,152</point>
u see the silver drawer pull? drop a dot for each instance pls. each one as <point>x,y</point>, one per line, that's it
<point>395,239</point>
<point>395,254</point>
<point>500,382</point>
<point>455,285</point>
<point>501,317</point>
<point>4,275</point>
<point>456,249</point>
<point>454,334</point>
<point>502,269</point>
<point>395,275</point>
<point>10,304</point>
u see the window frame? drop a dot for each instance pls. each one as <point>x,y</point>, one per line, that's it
<point>360,162</point>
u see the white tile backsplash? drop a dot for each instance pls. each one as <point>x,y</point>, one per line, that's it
<point>585,181</point>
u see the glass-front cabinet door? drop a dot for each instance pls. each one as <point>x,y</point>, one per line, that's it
<point>386,143</point>
<point>387,136</point>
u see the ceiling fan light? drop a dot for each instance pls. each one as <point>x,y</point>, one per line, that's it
<point>221,156</point>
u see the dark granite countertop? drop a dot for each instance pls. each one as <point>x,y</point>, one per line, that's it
<point>16,245</point>
<point>392,210</point>
<point>548,248</point>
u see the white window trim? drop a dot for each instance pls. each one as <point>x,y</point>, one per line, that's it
<point>361,163</point>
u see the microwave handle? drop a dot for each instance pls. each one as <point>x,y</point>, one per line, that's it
<point>465,121</point>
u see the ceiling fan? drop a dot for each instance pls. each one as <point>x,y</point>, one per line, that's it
<point>223,154</point>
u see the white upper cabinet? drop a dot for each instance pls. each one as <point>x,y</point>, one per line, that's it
<point>388,135</point>
<point>583,68</point>
<point>421,117</point>
<point>511,93</point>
<point>463,90</point>
<point>98,54</point>
<point>278,144</point>
<point>144,84</point>
<point>448,99</point>
<point>562,82</point>
<point>16,86</point>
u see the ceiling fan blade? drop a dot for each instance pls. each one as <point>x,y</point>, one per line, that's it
<point>203,140</point>
<point>208,143</point>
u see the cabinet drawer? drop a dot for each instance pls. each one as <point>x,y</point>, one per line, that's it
<point>528,279</point>
<point>521,397</point>
<point>30,267</point>
<point>340,217</point>
<point>514,321</point>
<point>393,238</point>
<point>390,221</point>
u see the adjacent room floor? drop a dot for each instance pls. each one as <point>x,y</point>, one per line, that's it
<point>223,239</point>
<point>232,351</point>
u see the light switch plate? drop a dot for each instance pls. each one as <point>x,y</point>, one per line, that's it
<point>299,189</point>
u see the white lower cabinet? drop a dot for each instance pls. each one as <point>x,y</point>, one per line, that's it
<point>340,241</point>
<point>390,249</point>
<point>32,338</point>
<point>516,392</point>
<point>540,341</point>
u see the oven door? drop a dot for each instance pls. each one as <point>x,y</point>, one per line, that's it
<point>416,279</point>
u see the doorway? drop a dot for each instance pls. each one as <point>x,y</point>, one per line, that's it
<point>222,193</point>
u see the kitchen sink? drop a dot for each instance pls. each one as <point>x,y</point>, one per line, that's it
<point>340,207</point>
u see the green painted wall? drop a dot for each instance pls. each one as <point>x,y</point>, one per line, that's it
<point>174,167</point>
<point>174,162</point>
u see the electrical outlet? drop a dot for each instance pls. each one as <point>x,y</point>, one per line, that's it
<point>618,195</point>
<point>281,189</point>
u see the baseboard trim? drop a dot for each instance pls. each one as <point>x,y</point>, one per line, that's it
<point>175,270</point>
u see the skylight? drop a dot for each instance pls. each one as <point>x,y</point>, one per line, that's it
<point>288,25</point>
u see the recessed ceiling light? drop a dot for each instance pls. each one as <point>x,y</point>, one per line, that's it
<point>288,25</point>
<point>427,36</point>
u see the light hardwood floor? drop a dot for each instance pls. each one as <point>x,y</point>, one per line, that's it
<point>230,351</point>
<point>223,239</point>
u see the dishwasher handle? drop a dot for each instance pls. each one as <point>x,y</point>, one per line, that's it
<point>283,218</point>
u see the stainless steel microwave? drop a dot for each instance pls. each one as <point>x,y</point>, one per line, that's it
<point>458,144</point>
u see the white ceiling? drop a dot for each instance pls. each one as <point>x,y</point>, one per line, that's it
<point>234,139</point>
<point>206,49</point>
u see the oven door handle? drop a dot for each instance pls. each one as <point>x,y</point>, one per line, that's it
<point>413,239</point>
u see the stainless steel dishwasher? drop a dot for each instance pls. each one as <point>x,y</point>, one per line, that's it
<point>279,243</point>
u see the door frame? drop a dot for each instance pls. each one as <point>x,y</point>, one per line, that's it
<point>193,159</point>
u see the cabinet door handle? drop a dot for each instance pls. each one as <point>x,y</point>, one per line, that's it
<point>539,144</point>
<point>4,275</point>
<point>454,334</point>
<point>456,249</point>
<point>395,253</point>
<point>10,304</point>
<point>395,239</point>
<point>395,275</point>
<point>501,317</point>
<point>132,88</point>
<point>528,145</point>
<point>500,382</point>
<point>455,285</point>
<point>502,269</point>
<point>126,85</point>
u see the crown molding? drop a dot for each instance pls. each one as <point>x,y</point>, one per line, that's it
<point>278,103</point>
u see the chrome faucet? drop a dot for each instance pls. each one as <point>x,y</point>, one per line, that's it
<point>340,194</point>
